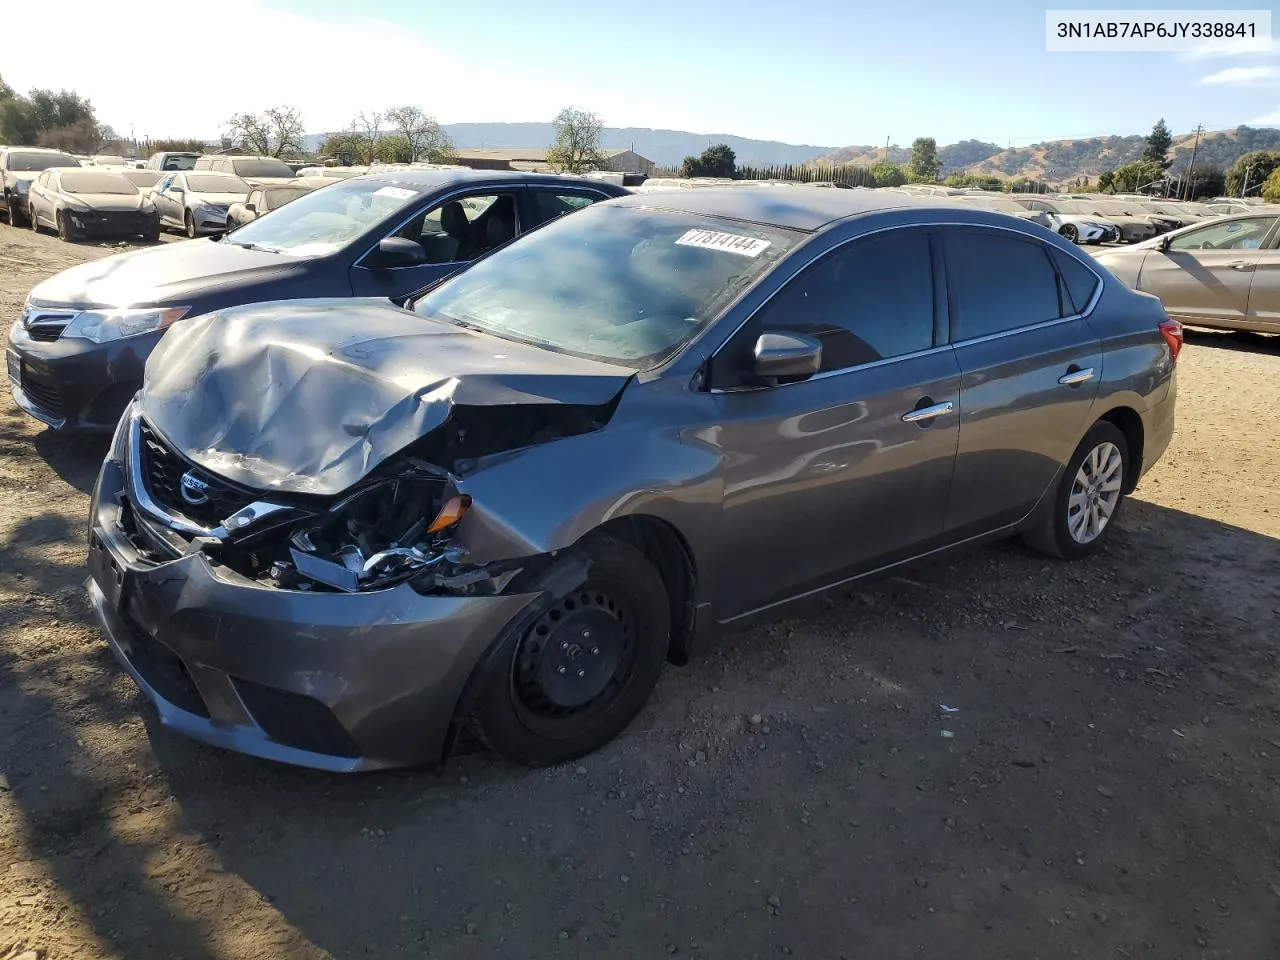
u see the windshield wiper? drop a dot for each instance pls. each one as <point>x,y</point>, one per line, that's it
<point>248,245</point>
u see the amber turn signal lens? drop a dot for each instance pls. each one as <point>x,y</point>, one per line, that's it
<point>453,511</point>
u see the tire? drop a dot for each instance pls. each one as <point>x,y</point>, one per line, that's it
<point>15,212</point>
<point>190,222</point>
<point>1070,232</point>
<point>1058,532</point>
<point>529,707</point>
<point>64,228</point>
<point>31,219</point>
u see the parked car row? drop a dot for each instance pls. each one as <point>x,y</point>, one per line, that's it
<point>484,450</point>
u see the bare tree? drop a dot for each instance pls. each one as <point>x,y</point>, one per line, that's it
<point>365,132</point>
<point>577,146</point>
<point>427,139</point>
<point>273,133</point>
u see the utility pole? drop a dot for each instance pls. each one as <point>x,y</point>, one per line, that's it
<point>1192,165</point>
<point>886,149</point>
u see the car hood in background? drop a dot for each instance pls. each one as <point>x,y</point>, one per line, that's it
<point>225,199</point>
<point>107,202</point>
<point>308,396</point>
<point>166,274</point>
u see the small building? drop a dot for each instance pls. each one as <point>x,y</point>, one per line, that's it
<point>534,159</point>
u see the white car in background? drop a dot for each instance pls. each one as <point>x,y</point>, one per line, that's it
<point>1071,222</point>
<point>196,201</point>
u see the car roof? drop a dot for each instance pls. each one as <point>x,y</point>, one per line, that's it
<point>804,208</point>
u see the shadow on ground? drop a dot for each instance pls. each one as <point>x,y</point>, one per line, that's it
<point>1105,790</point>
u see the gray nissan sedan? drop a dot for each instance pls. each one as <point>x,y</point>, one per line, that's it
<point>338,532</point>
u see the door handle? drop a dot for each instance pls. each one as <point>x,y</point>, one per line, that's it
<point>1241,264</point>
<point>928,413</point>
<point>1075,377</point>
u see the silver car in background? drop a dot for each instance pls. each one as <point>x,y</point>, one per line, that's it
<point>196,202</point>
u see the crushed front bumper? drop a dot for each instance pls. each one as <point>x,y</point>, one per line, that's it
<point>339,682</point>
<point>114,224</point>
<point>208,218</point>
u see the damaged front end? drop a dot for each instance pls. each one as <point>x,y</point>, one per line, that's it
<point>395,526</point>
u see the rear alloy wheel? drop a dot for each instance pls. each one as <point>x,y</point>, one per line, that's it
<point>570,681</point>
<point>1070,232</point>
<point>64,227</point>
<point>1089,496</point>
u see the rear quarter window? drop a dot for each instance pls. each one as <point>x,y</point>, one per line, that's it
<point>1081,283</point>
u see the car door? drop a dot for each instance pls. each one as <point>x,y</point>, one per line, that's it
<point>849,469</point>
<point>161,197</point>
<point>38,201</point>
<point>1206,275</point>
<point>453,231</point>
<point>1030,369</point>
<point>1264,288</point>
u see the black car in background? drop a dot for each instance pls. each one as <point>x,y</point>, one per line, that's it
<point>75,357</point>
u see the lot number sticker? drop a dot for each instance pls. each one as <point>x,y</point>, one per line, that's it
<point>728,242</point>
<point>396,193</point>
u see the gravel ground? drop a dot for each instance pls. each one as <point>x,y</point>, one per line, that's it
<point>1107,786</point>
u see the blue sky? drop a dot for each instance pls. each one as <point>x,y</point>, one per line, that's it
<point>802,71</point>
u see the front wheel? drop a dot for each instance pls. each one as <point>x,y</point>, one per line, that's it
<point>32,220</point>
<point>1084,507</point>
<point>1070,232</point>
<point>191,225</point>
<point>64,227</point>
<point>570,681</point>
<point>15,212</point>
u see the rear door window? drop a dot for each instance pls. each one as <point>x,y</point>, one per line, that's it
<point>547,204</point>
<point>998,282</point>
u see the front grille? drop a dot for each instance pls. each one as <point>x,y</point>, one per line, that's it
<point>163,670</point>
<point>295,720</point>
<point>163,469</point>
<point>42,393</point>
<point>44,325</point>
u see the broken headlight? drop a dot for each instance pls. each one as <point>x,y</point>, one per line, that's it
<point>381,535</point>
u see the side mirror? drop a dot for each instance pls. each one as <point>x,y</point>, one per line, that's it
<point>1163,244</point>
<point>251,207</point>
<point>399,252</point>
<point>177,191</point>
<point>778,355</point>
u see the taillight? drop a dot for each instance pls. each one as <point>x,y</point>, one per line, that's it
<point>1171,330</point>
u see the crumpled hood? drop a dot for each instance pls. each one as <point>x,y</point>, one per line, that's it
<point>308,396</point>
<point>109,202</point>
<point>159,275</point>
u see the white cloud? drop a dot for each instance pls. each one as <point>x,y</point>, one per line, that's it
<point>1240,75</point>
<point>1230,48</point>
<point>1271,119</point>
<point>330,69</point>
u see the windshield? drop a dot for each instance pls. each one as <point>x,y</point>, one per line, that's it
<point>216,183</point>
<point>279,196</point>
<point>141,178</point>
<point>327,220</point>
<point>29,162</point>
<point>1072,206</point>
<point>1111,207</point>
<point>998,204</point>
<point>620,284</point>
<point>84,181</point>
<point>179,161</point>
<point>261,167</point>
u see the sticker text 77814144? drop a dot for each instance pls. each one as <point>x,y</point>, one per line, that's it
<point>727,242</point>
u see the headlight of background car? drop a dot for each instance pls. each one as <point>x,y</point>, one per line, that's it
<point>101,326</point>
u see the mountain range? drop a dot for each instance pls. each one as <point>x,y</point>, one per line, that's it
<point>1054,161</point>
<point>666,148</point>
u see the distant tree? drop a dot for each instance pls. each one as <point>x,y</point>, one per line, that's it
<point>393,148</point>
<point>1207,181</point>
<point>83,137</point>
<point>426,138</point>
<point>176,146</point>
<point>273,133</point>
<point>1250,170</point>
<point>577,145</point>
<point>1128,177</point>
<point>17,123</point>
<point>1159,140</point>
<point>715,161</point>
<point>1271,188</point>
<point>23,120</point>
<point>886,174</point>
<point>1106,182</point>
<point>924,159</point>
<point>6,91</point>
<point>65,108</point>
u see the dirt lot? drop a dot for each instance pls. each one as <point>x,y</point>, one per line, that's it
<point>1111,788</point>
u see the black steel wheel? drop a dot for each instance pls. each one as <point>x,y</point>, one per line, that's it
<point>572,680</point>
